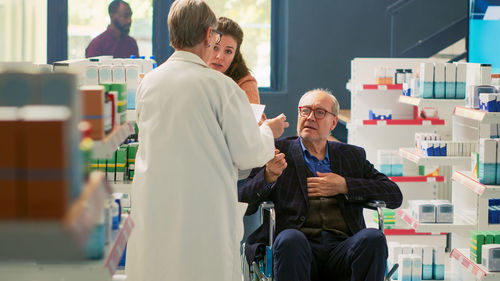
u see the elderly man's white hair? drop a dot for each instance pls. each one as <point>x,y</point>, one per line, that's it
<point>336,106</point>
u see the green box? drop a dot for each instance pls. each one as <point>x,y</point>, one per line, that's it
<point>132,151</point>
<point>121,163</point>
<point>489,237</point>
<point>107,87</point>
<point>121,88</point>
<point>94,165</point>
<point>477,241</point>
<point>496,237</point>
<point>102,165</point>
<point>111,167</point>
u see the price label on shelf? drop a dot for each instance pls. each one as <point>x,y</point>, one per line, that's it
<point>382,122</point>
<point>426,122</point>
<point>431,179</point>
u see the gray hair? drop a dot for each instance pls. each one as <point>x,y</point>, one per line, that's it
<point>335,107</point>
<point>188,20</point>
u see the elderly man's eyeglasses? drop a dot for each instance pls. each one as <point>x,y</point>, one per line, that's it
<point>319,113</point>
<point>218,35</point>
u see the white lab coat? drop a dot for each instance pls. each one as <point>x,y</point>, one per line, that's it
<point>196,128</point>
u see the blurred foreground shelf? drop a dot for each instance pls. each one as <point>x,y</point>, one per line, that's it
<point>56,240</point>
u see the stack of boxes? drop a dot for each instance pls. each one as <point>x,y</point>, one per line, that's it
<point>480,238</point>
<point>416,262</point>
<point>390,163</point>
<point>494,211</point>
<point>478,81</point>
<point>41,172</point>
<point>441,81</point>
<point>121,165</point>
<point>106,70</point>
<point>488,161</point>
<point>432,211</point>
<point>431,145</point>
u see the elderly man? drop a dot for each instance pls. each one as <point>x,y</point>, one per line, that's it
<point>321,235</point>
<point>115,40</point>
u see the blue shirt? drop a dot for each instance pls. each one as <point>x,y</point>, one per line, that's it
<point>313,163</point>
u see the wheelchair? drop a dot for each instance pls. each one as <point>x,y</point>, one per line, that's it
<point>262,269</point>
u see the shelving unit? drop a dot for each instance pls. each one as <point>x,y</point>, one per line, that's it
<point>477,271</point>
<point>472,124</point>
<point>478,115</point>
<point>422,122</point>
<point>104,148</point>
<point>461,223</point>
<point>382,87</point>
<point>49,240</point>
<point>452,103</point>
<point>470,194</point>
<point>419,179</point>
<point>482,190</point>
<point>416,157</point>
<point>76,270</point>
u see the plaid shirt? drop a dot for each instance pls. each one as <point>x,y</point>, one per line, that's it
<point>289,194</point>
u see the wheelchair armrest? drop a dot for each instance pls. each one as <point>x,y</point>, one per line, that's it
<point>373,205</point>
<point>377,205</point>
<point>269,206</point>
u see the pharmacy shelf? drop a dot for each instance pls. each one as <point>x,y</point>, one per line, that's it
<point>383,87</point>
<point>416,156</point>
<point>121,187</point>
<point>400,232</point>
<point>56,239</point>
<point>81,270</point>
<point>422,122</point>
<point>486,191</point>
<point>460,224</point>
<point>483,117</point>
<point>418,179</point>
<point>104,148</point>
<point>477,270</point>
<point>431,102</point>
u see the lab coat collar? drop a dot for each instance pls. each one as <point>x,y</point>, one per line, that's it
<point>188,57</point>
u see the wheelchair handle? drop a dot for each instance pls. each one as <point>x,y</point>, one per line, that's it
<point>269,206</point>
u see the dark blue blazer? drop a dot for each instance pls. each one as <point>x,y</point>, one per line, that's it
<point>289,194</point>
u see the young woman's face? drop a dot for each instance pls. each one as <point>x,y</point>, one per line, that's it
<point>223,54</point>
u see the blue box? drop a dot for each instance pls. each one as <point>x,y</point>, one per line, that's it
<point>373,116</point>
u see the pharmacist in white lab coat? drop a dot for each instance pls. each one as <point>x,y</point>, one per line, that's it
<point>196,128</point>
